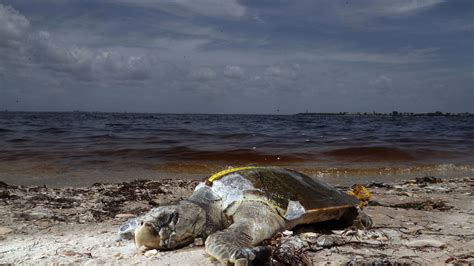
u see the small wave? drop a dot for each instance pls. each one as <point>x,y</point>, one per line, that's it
<point>2,130</point>
<point>188,154</point>
<point>241,136</point>
<point>52,130</point>
<point>16,156</point>
<point>430,153</point>
<point>238,155</point>
<point>117,125</point>
<point>371,154</point>
<point>402,140</point>
<point>18,140</point>
<point>96,162</point>
<point>162,141</point>
<point>103,136</point>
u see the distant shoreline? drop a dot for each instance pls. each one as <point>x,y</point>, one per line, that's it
<point>394,113</point>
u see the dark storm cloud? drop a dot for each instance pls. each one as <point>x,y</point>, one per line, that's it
<point>236,56</point>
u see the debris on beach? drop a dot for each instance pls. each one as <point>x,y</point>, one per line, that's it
<point>97,203</point>
<point>401,242</point>
<point>425,220</point>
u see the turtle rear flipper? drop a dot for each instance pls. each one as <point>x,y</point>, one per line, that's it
<point>354,217</point>
<point>363,221</point>
<point>254,222</point>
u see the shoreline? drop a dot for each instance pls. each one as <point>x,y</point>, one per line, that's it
<point>78,225</point>
<point>45,174</point>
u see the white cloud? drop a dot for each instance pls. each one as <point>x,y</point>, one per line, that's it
<point>378,8</point>
<point>456,25</point>
<point>211,8</point>
<point>360,14</point>
<point>236,72</point>
<point>382,84</point>
<point>402,56</point>
<point>203,74</point>
<point>182,46</point>
<point>284,71</point>
<point>20,45</point>
<point>404,6</point>
<point>13,25</point>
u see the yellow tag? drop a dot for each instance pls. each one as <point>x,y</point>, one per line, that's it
<point>361,193</point>
<point>227,171</point>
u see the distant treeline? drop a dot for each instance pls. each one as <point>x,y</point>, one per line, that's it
<point>394,113</point>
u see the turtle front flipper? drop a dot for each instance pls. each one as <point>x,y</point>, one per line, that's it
<point>232,245</point>
<point>253,222</point>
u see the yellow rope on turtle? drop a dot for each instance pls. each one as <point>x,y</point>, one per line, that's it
<point>222,173</point>
<point>361,193</point>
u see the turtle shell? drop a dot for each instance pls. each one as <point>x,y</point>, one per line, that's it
<point>294,195</point>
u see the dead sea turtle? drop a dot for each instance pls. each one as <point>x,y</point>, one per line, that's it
<point>236,209</point>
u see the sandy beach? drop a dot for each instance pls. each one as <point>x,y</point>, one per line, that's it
<point>427,220</point>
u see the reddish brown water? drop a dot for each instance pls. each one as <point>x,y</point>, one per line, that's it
<point>83,148</point>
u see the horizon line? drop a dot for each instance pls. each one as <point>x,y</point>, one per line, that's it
<point>399,113</point>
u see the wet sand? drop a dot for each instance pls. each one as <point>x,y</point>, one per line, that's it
<point>427,221</point>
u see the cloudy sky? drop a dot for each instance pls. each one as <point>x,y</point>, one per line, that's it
<point>237,56</point>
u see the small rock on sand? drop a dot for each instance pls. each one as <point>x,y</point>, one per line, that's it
<point>68,253</point>
<point>425,243</point>
<point>5,230</point>
<point>326,241</point>
<point>39,257</point>
<point>198,242</point>
<point>38,213</point>
<point>124,215</point>
<point>151,253</point>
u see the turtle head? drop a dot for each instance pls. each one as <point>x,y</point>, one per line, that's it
<point>170,227</point>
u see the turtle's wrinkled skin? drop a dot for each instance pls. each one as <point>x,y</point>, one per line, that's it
<point>236,209</point>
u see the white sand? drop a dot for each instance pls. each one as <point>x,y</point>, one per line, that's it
<point>29,235</point>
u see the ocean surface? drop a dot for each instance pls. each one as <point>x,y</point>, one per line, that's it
<point>81,148</point>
